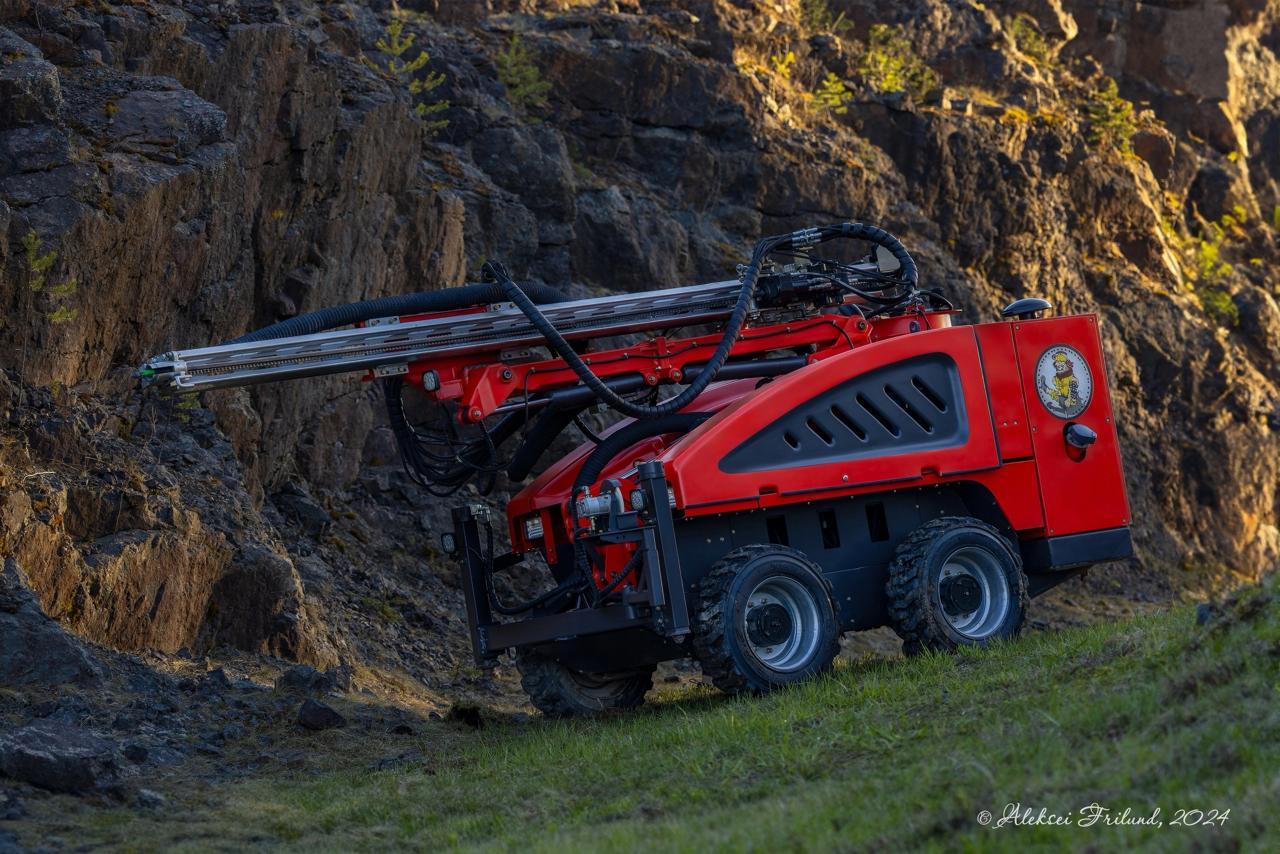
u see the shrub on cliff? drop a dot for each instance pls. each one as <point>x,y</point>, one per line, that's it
<point>890,64</point>
<point>526,90</point>
<point>816,17</point>
<point>1111,119</point>
<point>394,68</point>
<point>1028,39</point>
<point>38,264</point>
<point>1206,272</point>
<point>832,94</point>
<point>783,63</point>
<point>1211,272</point>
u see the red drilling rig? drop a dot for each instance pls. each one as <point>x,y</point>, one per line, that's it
<point>840,455</point>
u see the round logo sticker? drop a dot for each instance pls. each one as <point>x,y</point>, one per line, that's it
<point>1063,381</point>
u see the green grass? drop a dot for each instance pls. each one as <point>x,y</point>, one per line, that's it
<point>1154,712</point>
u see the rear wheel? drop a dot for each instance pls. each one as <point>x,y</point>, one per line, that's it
<point>763,618</point>
<point>956,581</point>
<point>561,692</point>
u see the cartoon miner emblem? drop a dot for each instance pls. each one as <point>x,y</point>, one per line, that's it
<point>1063,381</point>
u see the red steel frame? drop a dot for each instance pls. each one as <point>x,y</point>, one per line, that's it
<point>1015,447</point>
<point>482,382</point>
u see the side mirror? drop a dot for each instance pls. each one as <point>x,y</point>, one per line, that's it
<point>1026,308</point>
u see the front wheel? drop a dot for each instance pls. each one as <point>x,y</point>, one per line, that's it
<point>763,618</point>
<point>956,581</point>
<point>562,692</point>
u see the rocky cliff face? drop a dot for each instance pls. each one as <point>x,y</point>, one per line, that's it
<point>176,174</point>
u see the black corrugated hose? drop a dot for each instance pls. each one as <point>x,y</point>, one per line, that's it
<point>449,299</point>
<point>621,439</point>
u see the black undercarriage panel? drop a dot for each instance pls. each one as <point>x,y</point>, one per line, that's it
<point>851,538</point>
<point>614,651</point>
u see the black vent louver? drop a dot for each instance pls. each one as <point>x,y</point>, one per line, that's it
<point>913,405</point>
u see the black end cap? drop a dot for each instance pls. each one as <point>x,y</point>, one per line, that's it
<point>1026,308</point>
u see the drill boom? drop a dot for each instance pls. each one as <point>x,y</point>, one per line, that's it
<point>391,343</point>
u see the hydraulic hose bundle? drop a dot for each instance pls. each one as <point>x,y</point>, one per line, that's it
<point>665,417</point>
<point>797,240</point>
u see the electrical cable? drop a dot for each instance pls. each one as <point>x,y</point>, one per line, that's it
<point>585,430</point>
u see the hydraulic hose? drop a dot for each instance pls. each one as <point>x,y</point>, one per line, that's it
<point>565,588</point>
<point>610,446</point>
<point>449,299</point>
<point>796,240</point>
<point>550,424</point>
<point>909,275</point>
<point>619,440</point>
<point>475,455</point>
<point>442,477</point>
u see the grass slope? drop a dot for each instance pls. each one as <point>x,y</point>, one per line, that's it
<point>1154,712</point>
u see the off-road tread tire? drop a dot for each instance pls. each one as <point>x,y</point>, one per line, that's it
<point>710,644</point>
<point>550,688</point>
<point>919,626</point>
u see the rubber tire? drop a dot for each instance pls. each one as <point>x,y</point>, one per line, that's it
<point>561,692</point>
<point>718,600</point>
<point>914,606</point>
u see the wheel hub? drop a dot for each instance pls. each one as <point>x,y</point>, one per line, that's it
<point>960,594</point>
<point>782,623</point>
<point>973,595</point>
<point>768,625</point>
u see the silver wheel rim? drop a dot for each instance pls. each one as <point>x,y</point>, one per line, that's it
<point>797,648</point>
<point>993,600</point>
